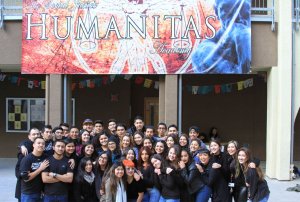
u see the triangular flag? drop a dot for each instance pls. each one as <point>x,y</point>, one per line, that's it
<point>98,81</point>
<point>2,77</point>
<point>240,85</point>
<point>36,83</point>
<point>88,83</point>
<point>156,85</point>
<point>224,88</point>
<point>250,82</point>
<point>14,79</point>
<point>112,77</point>
<point>147,83</point>
<point>105,80</point>
<point>217,89</point>
<point>92,83</point>
<point>139,80</point>
<point>43,85</point>
<point>30,84</point>
<point>128,76</point>
<point>229,87</point>
<point>195,90</point>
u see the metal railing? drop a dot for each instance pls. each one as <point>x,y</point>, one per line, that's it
<point>10,10</point>
<point>263,11</point>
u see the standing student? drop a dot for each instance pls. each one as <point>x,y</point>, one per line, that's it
<point>58,133</point>
<point>84,182</point>
<point>30,171</point>
<point>145,167</point>
<point>219,174</point>
<point>126,143</point>
<point>88,150</point>
<point>184,141</point>
<point>161,148</point>
<point>115,185</point>
<point>98,126</point>
<point>84,138</point>
<point>161,130</point>
<point>100,142</point>
<point>47,135</point>
<point>103,164</point>
<point>25,148</point>
<point>257,185</point>
<point>74,133</point>
<point>112,123</point>
<point>192,177</point>
<point>204,167</point>
<point>167,179</point>
<point>113,149</point>
<point>58,175</point>
<point>134,188</point>
<point>138,126</point>
<point>138,141</point>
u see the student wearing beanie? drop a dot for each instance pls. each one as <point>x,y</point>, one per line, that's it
<point>113,149</point>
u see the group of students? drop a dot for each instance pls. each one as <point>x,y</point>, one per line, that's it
<point>119,165</point>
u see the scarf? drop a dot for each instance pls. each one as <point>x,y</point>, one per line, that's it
<point>121,193</point>
<point>89,177</point>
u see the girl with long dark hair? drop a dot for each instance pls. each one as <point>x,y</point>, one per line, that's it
<point>220,173</point>
<point>84,184</point>
<point>115,185</point>
<point>145,167</point>
<point>254,177</point>
<point>100,142</point>
<point>103,164</point>
<point>161,148</point>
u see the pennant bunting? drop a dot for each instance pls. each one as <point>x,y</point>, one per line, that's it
<point>2,77</point>
<point>148,83</point>
<point>43,85</point>
<point>195,90</point>
<point>217,89</point>
<point>156,85</point>
<point>240,85</point>
<point>30,84</point>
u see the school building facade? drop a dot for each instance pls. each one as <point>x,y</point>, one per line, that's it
<point>264,116</point>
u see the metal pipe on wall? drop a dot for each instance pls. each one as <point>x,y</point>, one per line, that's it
<point>180,104</point>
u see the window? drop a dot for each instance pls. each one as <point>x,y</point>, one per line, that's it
<point>25,113</point>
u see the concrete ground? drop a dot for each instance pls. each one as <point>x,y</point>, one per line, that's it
<point>8,181</point>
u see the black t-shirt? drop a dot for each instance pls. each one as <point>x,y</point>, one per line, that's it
<point>31,163</point>
<point>134,188</point>
<point>60,167</point>
<point>48,148</point>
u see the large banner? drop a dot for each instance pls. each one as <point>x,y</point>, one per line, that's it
<point>136,37</point>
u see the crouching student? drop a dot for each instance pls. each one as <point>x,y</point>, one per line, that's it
<point>134,188</point>
<point>84,183</point>
<point>257,185</point>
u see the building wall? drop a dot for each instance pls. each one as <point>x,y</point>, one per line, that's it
<point>95,103</point>
<point>239,115</point>
<point>9,141</point>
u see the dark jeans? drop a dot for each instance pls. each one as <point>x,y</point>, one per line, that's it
<point>56,198</point>
<point>31,197</point>
<point>203,194</point>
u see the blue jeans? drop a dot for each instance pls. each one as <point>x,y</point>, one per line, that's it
<point>56,198</point>
<point>162,199</point>
<point>203,194</point>
<point>265,199</point>
<point>151,195</point>
<point>31,197</point>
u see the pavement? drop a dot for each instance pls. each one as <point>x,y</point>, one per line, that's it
<point>8,182</point>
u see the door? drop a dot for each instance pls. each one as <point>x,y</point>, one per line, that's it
<point>151,111</point>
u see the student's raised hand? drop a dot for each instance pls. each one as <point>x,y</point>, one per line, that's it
<point>169,170</point>
<point>216,165</point>
<point>136,176</point>
<point>157,171</point>
<point>72,163</point>
<point>252,165</point>
<point>181,164</point>
<point>199,168</point>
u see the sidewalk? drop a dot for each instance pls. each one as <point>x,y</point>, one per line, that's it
<point>8,182</point>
